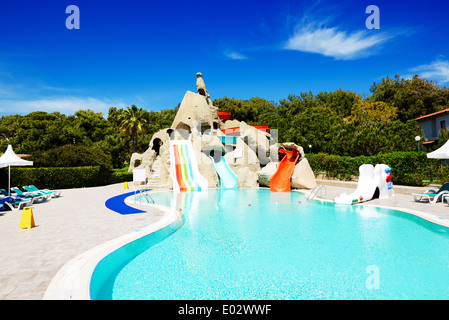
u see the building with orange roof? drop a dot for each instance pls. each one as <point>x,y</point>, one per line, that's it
<point>432,124</point>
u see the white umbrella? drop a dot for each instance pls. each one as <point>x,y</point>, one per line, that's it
<point>441,153</point>
<point>8,159</point>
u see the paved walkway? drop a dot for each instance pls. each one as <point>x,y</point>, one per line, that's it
<point>65,227</point>
<point>79,220</point>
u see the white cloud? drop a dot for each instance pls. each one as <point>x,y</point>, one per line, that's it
<point>235,56</point>
<point>332,42</point>
<point>438,71</point>
<point>66,105</point>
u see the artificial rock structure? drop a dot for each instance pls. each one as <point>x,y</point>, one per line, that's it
<point>253,155</point>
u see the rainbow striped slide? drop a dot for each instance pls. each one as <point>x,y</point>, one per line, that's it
<point>184,167</point>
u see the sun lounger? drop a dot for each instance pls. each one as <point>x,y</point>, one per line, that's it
<point>41,193</point>
<point>15,203</point>
<point>54,193</point>
<point>35,196</point>
<point>431,195</point>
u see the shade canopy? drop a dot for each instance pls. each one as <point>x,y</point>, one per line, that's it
<point>440,153</point>
<point>10,159</point>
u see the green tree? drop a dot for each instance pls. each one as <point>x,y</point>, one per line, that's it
<point>35,131</point>
<point>294,105</point>
<point>72,156</point>
<point>412,97</point>
<point>132,122</point>
<point>373,112</point>
<point>245,110</point>
<point>90,126</point>
<point>341,101</point>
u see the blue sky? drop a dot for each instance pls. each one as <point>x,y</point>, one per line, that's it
<point>148,52</point>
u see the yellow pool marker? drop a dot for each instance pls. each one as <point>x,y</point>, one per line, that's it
<point>126,185</point>
<point>27,221</point>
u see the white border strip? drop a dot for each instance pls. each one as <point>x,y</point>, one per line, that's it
<point>423,215</point>
<point>72,281</point>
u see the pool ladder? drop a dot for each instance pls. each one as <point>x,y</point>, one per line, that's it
<point>143,193</point>
<point>315,191</point>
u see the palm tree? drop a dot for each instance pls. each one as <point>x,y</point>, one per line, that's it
<point>132,122</point>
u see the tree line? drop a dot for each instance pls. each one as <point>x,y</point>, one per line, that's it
<point>345,123</point>
<point>114,135</point>
<point>340,122</point>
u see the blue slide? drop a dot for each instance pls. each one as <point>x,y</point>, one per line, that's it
<point>228,179</point>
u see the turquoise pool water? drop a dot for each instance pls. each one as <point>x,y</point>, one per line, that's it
<point>254,244</point>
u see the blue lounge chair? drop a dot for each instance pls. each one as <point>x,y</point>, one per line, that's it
<point>431,195</point>
<point>4,193</point>
<point>14,203</point>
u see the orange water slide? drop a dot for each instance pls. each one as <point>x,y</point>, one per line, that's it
<point>280,181</point>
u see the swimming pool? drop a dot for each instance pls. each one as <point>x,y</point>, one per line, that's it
<point>255,244</point>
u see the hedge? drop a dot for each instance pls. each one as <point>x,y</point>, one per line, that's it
<point>408,168</point>
<point>118,176</point>
<point>62,177</point>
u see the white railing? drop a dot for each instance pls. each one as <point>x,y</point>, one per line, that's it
<point>315,191</point>
<point>143,192</point>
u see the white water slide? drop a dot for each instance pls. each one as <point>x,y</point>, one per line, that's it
<point>374,182</point>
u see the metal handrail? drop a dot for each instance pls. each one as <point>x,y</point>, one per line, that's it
<point>142,192</point>
<point>147,195</point>
<point>315,191</point>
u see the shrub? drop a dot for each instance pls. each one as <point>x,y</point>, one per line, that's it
<point>54,178</point>
<point>408,168</point>
<point>73,156</point>
<point>442,174</point>
<point>119,175</point>
<point>62,178</point>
